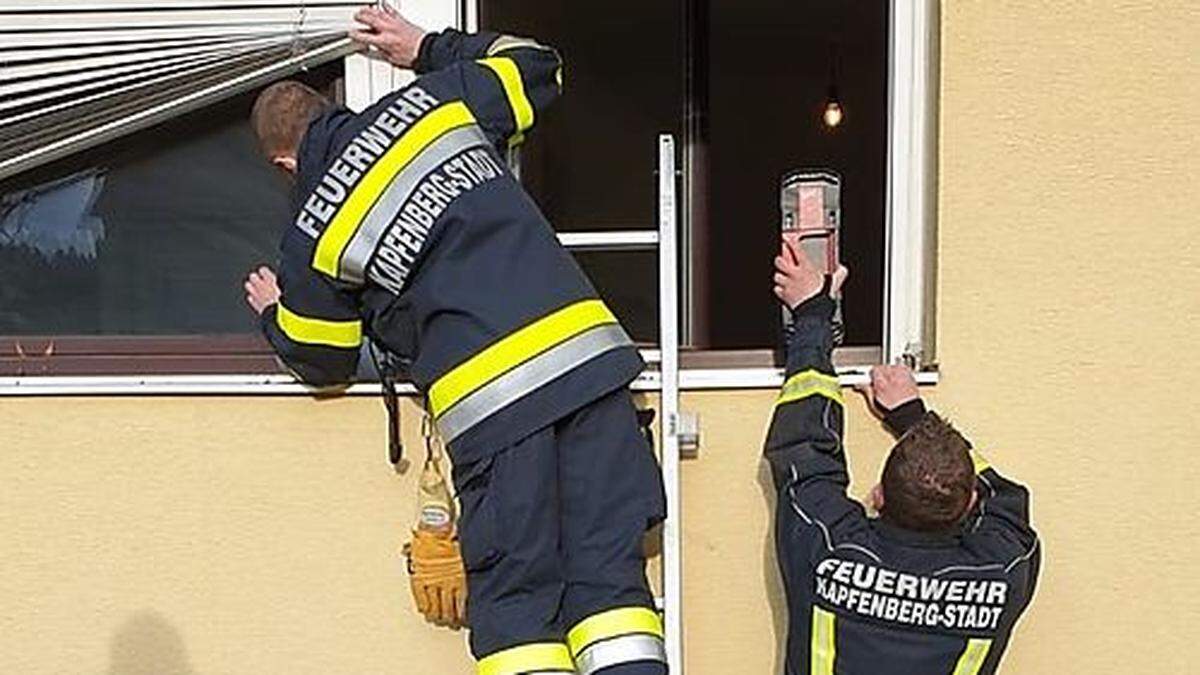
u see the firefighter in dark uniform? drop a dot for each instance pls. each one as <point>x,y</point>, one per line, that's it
<point>410,230</point>
<point>936,583</point>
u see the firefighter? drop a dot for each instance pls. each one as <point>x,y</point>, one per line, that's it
<point>410,230</point>
<point>937,581</point>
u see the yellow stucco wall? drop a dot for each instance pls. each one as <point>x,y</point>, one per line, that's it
<point>257,535</point>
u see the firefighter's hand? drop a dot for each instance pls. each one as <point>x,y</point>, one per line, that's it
<point>439,581</point>
<point>890,387</point>
<point>797,279</point>
<point>397,38</point>
<point>262,289</point>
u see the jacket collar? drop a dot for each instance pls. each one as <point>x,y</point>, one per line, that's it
<point>907,537</point>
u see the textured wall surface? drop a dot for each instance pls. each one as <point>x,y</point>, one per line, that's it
<point>258,535</point>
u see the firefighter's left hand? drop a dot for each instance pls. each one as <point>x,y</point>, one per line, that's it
<point>262,289</point>
<point>397,38</point>
<point>891,387</point>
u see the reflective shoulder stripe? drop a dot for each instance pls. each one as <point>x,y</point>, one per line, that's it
<point>620,650</point>
<point>980,462</point>
<point>514,349</point>
<point>510,78</point>
<point>362,245</point>
<point>614,623</point>
<point>538,657</point>
<point>824,635</point>
<point>810,383</point>
<point>507,42</point>
<point>336,237</point>
<point>307,330</point>
<point>972,657</point>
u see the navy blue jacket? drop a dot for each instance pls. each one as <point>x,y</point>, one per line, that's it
<point>410,230</point>
<point>865,597</point>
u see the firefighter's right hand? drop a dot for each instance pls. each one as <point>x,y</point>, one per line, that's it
<point>797,279</point>
<point>439,580</point>
<point>397,38</point>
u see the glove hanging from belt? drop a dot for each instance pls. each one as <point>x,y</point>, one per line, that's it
<point>435,565</point>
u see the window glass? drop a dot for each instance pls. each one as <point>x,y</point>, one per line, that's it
<point>151,234</point>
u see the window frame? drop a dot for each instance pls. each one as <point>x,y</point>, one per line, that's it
<point>208,363</point>
<point>910,245</point>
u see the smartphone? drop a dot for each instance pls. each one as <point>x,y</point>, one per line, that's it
<point>811,214</point>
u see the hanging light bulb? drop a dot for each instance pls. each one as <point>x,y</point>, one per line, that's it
<point>833,110</point>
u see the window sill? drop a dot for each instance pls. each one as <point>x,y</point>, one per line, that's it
<point>699,370</point>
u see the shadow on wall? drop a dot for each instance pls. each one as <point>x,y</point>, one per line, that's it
<point>771,576</point>
<point>147,644</point>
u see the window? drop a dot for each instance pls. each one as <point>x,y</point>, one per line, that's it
<point>739,84</point>
<point>128,257</point>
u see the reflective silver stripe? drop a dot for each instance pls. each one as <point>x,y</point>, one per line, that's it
<point>615,651</point>
<point>506,42</point>
<point>385,210</point>
<point>529,376</point>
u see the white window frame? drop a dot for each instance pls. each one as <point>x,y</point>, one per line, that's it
<point>911,236</point>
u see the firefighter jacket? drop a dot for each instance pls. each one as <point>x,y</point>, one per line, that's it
<point>866,597</point>
<point>411,231</point>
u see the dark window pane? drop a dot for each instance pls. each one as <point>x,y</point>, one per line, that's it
<point>163,226</point>
<point>590,162</point>
<point>148,235</point>
<point>769,72</point>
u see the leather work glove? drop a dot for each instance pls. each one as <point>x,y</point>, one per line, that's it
<point>439,581</point>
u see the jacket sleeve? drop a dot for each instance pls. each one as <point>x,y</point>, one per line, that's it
<point>1003,507</point>
<point>507,82</point>
<point>316,327</point>
<point>804,442</point>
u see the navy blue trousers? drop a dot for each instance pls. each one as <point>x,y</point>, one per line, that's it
<point>552,532</point>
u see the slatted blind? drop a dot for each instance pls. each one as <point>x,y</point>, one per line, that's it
<point>75,74</point>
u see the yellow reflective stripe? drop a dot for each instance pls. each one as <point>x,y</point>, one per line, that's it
<point>514,89</point>
<point>346,334</point>
<point>810,383</point>
<point>614,623</point>
<point>532,658</point>
<point>336,237</point>
<point>515,349</point>
<point>823,650</point>
<point>972,657</point>
<point>980,462</point>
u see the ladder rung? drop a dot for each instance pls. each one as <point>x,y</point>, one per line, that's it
<point>614,240</point>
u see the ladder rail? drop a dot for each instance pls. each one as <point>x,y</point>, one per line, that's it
<point>668,312</point>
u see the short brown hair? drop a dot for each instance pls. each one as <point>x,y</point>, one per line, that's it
<point>929,478</point>
<point>282,113</point>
